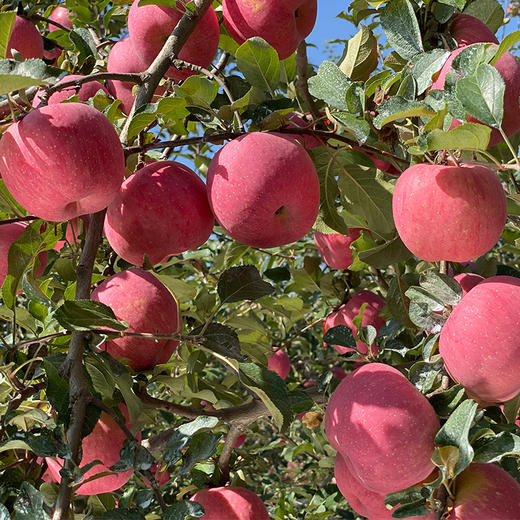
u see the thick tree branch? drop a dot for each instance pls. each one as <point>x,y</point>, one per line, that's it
<point>79,394</point>
<point>233,434</point>
<point>162,62</point>
<point>302,66</point>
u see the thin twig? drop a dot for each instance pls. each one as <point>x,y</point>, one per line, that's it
<point>29,218</point>
<point>39,18</point>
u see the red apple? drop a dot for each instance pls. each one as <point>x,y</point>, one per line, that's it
<point>453,213</point>
<point>240,440</point>
<point>75,228</point>
<point>485,492</point>
<point>335,247</point>
<point>363,501</point>
<point>161,477</point>
<point>26,39</point>
<point>479,343</point>
<point>141,300</point>
<point>62,161</point>
<point>84,92</point>
<point>308,141</point>
<point>8,234</point>
<point>280,363</point>
<point>230,503</point>
<point>62,16</point>
<point>467,281</point>
<point>124,58</point>
<point>264,190</point>
<point>347,312</point>
<point>338,372</point>
<point>380,164</point>
<point>160,211</point>
<point>150,25</point>
<point>104,444</point>
<point>282,24</point>
<point>383,427</point>
<point>466,30</point>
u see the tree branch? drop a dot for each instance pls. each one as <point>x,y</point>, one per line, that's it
<point>162,62</point>
<point>29,218</point>
<point>72,367</point>
<point>39,18</point>
<point>302,66</point>
<point>233,434</point>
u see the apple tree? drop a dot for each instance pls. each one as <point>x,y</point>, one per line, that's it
<point>236,284</point>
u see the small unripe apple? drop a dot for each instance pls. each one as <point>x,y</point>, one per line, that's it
<point>26,39</point>
<point>383,427</point>
<point>62,161</point>
<point>230,503</point>
<point>479,343</point>
<point>485,492</point>
<point>62,16</point>
<point>335,247</point>
<point>104,444</point>
<point>282,24</point>
<point>280,363</point>
<point>139,298</point>
<point>84,92</point>
<point>160,211</point>
<point>347,312</point>
<point>264,190</point>
<point>151,25</point>
<point>452,213</point>
<point>363,501</point>
<point>8,234</point>
<point>124,58</point>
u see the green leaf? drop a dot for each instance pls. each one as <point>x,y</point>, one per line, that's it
<point>360,56</point>
<point>242,283</point>
<point>102,378</point>
<point>182,510</point>
<point>201,446</point>
<point>489,11</point>
<point>455,453</point>
<point>413,509</point>
<point>85,46</point>
<point>87,315</point>
<point>401,28</point>
<point>426,64</point>
<point>445,402</point>
<point>469,136</point>
<point>441,286</point>
<point>122,514</point>
<point>506,44</point>
<point>222,340</point>
<point>399,108</point>
<point>180,438</point>
<point>330,85</point>
<point>259,63</point>
<point>391,252</point>
<point>57,390</point>
<point>15,75</point>
<point>358,127</point>
<point>340,335</point>
<point>494,449</point>
<point>196,91</point>
<point>6,26</point>
<point>482,95</point>
<point>4,513</point>
<point>271,389</point>
<point>29,504</point>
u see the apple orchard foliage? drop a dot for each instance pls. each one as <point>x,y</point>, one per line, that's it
<point>285,325</point>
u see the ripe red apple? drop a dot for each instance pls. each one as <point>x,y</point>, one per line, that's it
<point>139,298</point>
<point>383,427</point>
<point>150,25</point>
<point>62,16</point>
<point>280,363</point>
<point>8,234</point>
<point>335,247</point>
<point>230,503</point>
<point>123,58</point>
<point>308,141</point>
<point>467,281</point>
<point>347,312</point>
<point>363,501</point>
<point>26,39</point>
<point>453,213</point>
<point>85,91</point>
<point>338,372</point>
<point>466,29</point>
<point>240,440</point>
<point>485,492</point>
<point>282,24</point>
<point>264,190</point>
<point>104,444</point>
<point>161,210</point>
<point>479,343</point>
<point>62,161</point>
